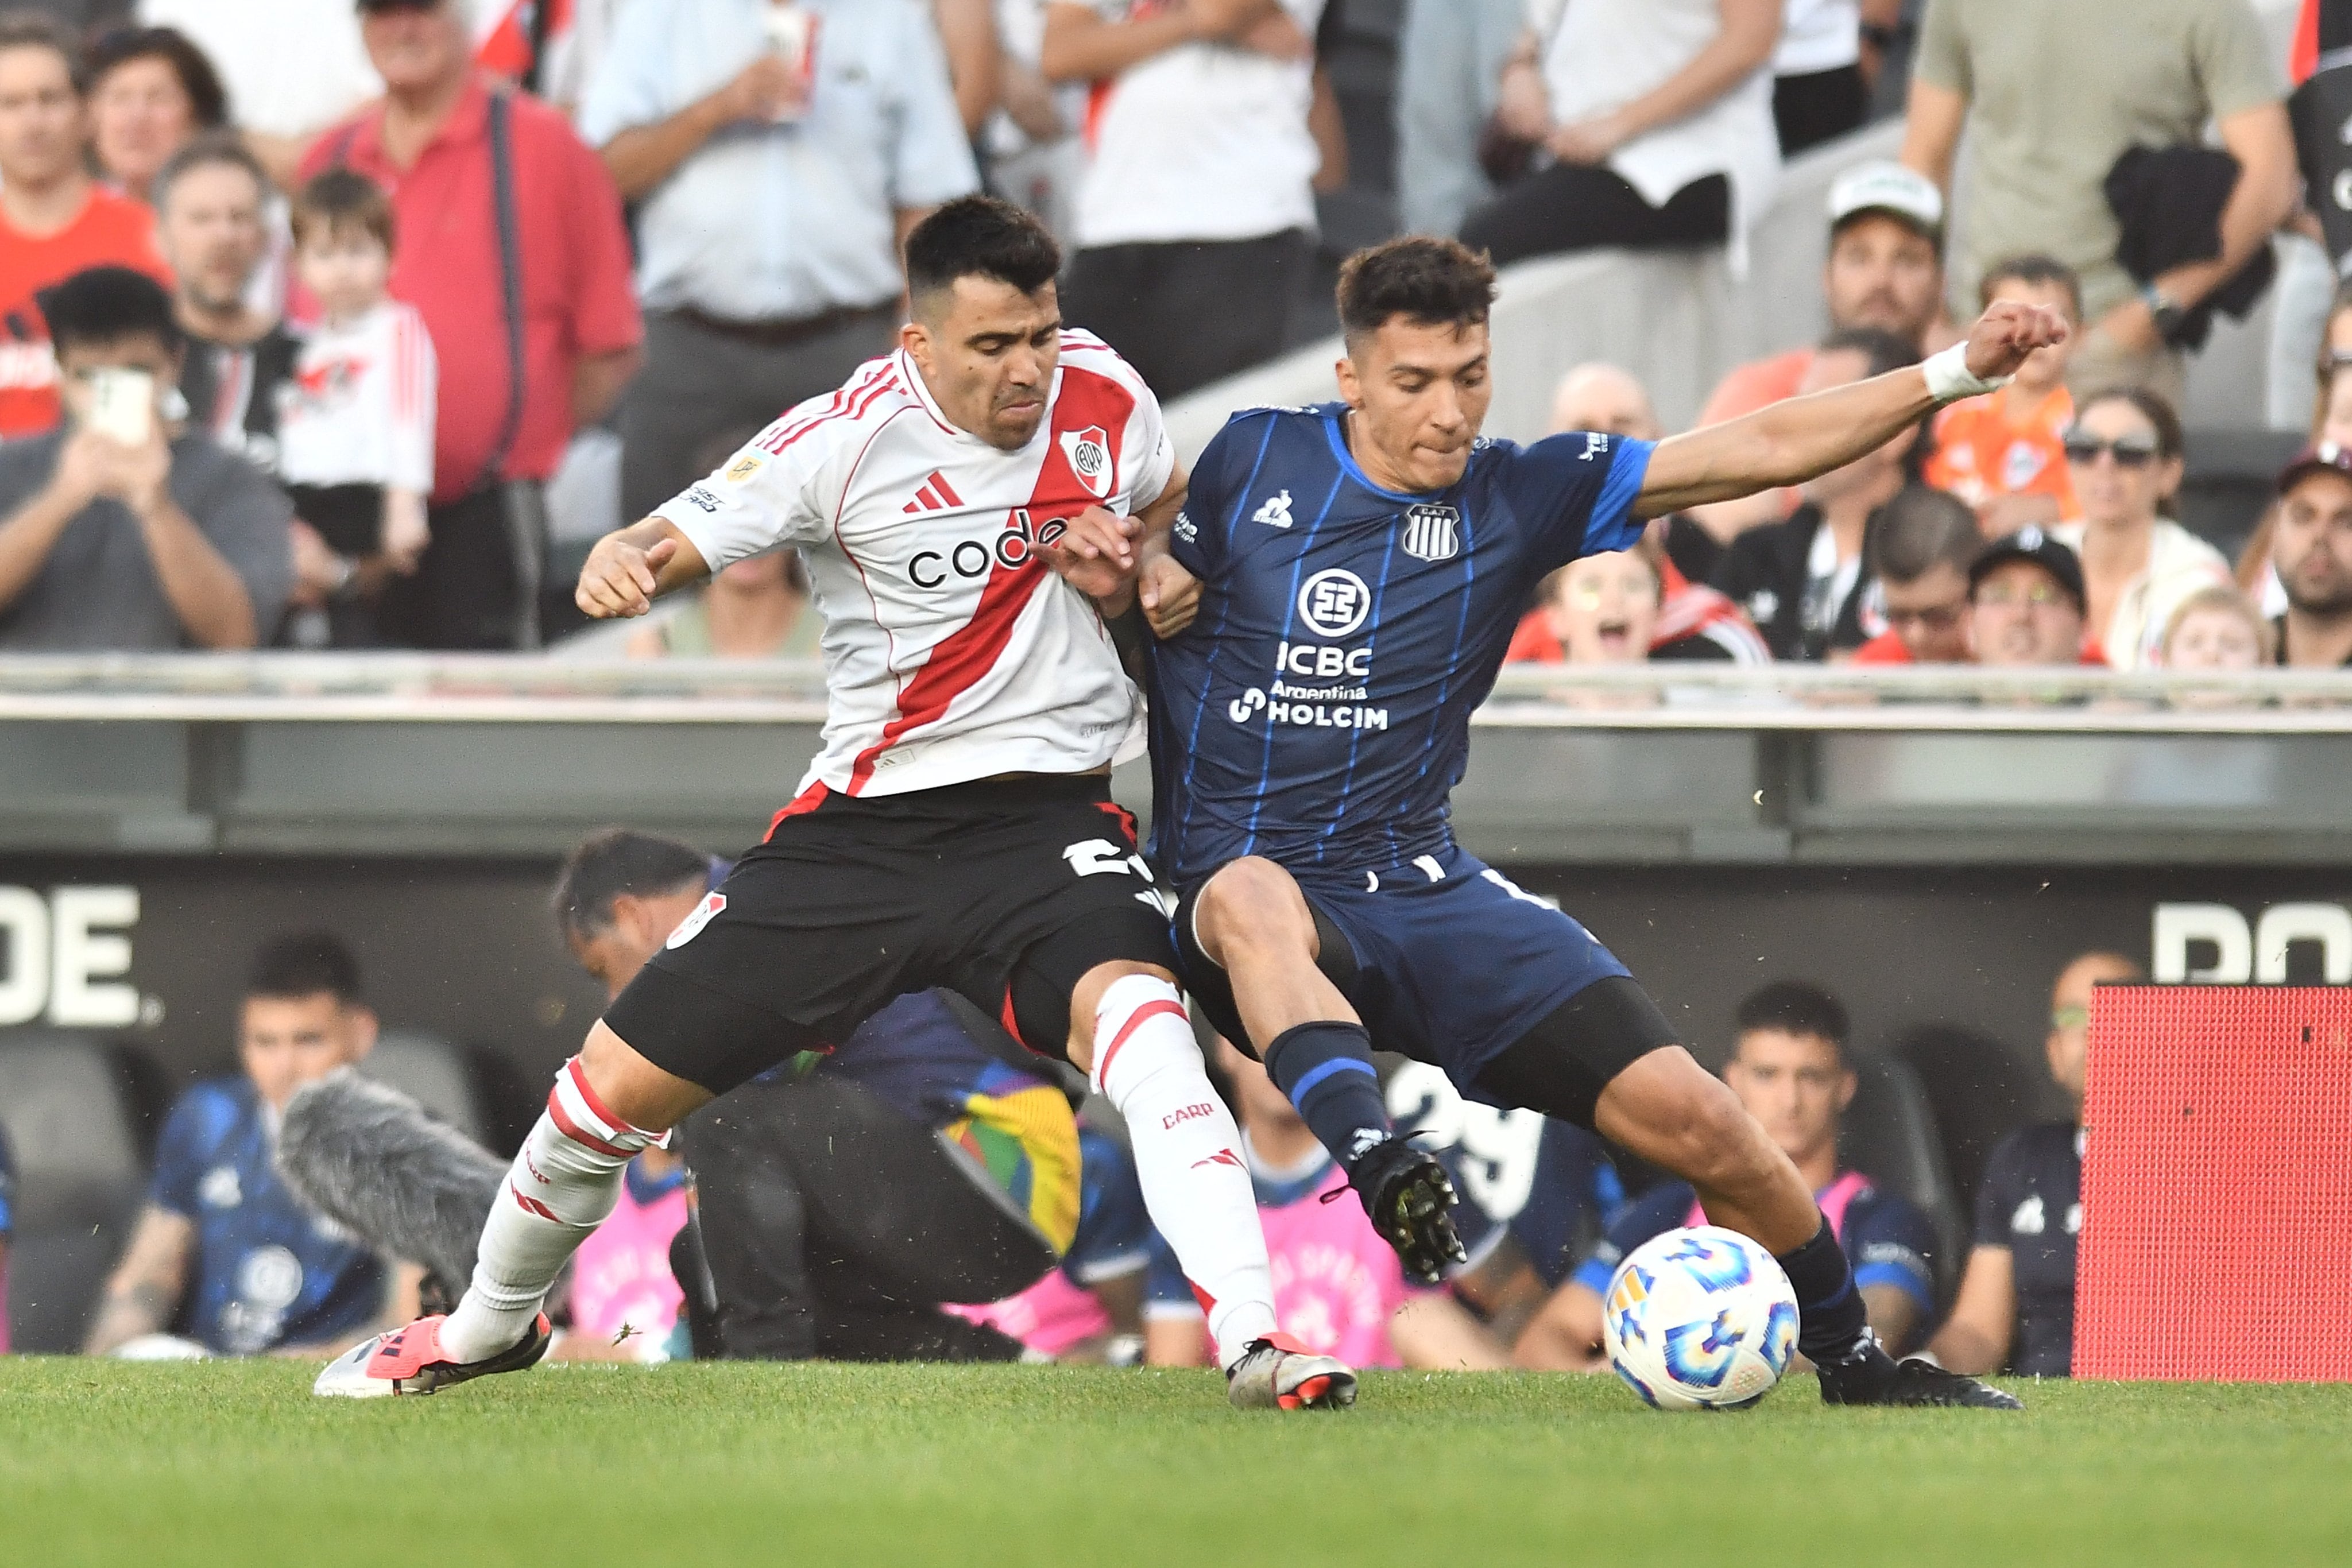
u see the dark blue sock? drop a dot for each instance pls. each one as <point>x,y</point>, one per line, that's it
<point>1829,1317</point>
<point>1327,1071</point>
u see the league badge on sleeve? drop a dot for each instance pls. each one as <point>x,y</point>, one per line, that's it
<point>1089,451</point>
<point>691,927</point>
<point>1432,532</point>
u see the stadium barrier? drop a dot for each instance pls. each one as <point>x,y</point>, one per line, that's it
<point>2217,1184</point>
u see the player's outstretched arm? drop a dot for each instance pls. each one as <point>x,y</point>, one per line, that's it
<point>630,569</point>
<point>1790,442</point>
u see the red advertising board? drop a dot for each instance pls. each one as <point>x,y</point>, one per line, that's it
<point>2217,1185</point>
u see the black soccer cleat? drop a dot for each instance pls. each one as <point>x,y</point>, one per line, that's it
<point>1871,1377</point>
<point>1406,1193</point>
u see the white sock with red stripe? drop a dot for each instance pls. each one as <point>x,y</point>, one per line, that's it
<point>1188,1154</point>
<point>562,1184</point>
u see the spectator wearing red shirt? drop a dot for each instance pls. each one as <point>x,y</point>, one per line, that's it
<point>55,220</point>
<point>1921,548</point>
<point>430,144</point>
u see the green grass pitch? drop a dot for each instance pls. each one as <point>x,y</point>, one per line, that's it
<point>115,1464</point>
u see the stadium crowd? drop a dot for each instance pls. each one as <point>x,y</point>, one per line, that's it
<point>485,274</point>
<point>325,358</point>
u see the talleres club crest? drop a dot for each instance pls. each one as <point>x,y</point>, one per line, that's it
<point>1089,451</point>
<point>1432,532</point>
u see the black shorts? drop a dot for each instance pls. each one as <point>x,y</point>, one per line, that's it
<point>986,889</point>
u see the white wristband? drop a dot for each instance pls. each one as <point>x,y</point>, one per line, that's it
<point>1950,379</point>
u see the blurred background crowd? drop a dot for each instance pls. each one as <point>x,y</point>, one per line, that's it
<point>480,280</point>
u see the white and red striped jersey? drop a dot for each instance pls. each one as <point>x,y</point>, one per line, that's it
<point>952,652</point>
<point>359,408</point>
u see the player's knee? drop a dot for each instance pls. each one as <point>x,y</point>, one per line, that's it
<point>1253,907</point>
<point>1142,1030</point>
<point>625,1089</point>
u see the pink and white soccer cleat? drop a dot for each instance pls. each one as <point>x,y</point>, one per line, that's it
<point>410,1361</point>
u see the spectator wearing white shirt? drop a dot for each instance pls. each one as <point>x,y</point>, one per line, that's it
<point>774,184</point>
<point>1823,72</point>
<point>1198,195</point>
<point>355,433</point>
<point>1657,116</point>
<point>2123,454</point>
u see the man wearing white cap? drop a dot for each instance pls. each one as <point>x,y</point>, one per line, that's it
<point>1884,270</point>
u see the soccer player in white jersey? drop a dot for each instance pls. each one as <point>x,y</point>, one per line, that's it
<point>971,507</point>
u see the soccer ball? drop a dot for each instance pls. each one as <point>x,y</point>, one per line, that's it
<point>1700,1320</point>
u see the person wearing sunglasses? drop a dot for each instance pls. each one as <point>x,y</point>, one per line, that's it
<point>2124,456</point>
<point>2016,1305</point>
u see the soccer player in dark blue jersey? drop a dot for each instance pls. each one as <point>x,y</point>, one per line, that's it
<point>1361,565</point>
<point>2016,1305</point>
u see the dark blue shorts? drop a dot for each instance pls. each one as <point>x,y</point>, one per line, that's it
<point>1450,963</point>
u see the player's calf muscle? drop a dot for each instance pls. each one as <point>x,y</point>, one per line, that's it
<point>1674,1114</point>
<point>634,1089</point>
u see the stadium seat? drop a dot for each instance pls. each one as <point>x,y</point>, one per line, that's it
<point>1889,1135</point>
<point>72,1123</point>
<point>436,1074</point>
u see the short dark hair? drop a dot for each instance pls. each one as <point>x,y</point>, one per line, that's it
<point>981,236</point>
<point>342,199</point>
<point>118,46</point>
<point>615,861</point>
<point>304,964</point>
<point>204,152</point>
<point>1794,1007</point>
<point>2034,271</point>
<point>1920,530</point>
<point>1429,281</point>
<point>39,30</point>
<point>1885,350</point>
<point>102,305</point>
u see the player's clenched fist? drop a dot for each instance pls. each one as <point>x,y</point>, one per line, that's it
<point>1096,554</point>
<point>2007,332</point>
<point>1170,595</point>
<point>622,577</point>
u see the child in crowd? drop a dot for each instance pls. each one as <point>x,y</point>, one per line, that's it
<point>355,429</point>
<point>2004,455</point>
<point>2217,628</point>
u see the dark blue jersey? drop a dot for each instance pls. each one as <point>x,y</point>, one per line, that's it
<point>266,1271</point>
<point>7,1192</point>
<point>2031,1202</point>
<point>1317,709</point>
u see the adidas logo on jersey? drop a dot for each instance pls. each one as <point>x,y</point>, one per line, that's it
<point>1432,533</point>
<point>934,497</point>
<point>1276,513</point>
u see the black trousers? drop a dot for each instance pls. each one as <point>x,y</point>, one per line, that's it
<point>1819,107</point>
<point>1193,312</point>
<point>478,586</point>
<point>834,1226</point>
<point>1576,206</point>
